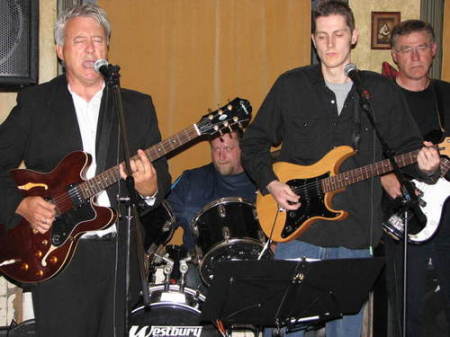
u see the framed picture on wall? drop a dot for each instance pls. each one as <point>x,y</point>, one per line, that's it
<point>382,24</point>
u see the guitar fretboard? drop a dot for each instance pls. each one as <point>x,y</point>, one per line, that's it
<point>105,179</point>
<point>349,177</point>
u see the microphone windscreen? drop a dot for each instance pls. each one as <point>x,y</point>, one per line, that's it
<point>100,63</point>
<point>349,68</point>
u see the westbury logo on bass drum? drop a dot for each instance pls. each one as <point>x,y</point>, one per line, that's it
<point>165,331</point>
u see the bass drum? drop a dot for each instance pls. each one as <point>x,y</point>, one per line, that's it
<point>227,230</point>
<point>173,313</point>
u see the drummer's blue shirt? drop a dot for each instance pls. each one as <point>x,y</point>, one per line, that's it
<point>196,188</point>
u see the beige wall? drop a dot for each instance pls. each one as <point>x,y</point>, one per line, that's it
<point>363,56</point>
<point>11,296</point>
<point>194,55</point>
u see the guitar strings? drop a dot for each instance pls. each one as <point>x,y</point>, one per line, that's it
<point>60,199</point>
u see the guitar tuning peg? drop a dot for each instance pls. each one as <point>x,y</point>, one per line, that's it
<point>230,129</point>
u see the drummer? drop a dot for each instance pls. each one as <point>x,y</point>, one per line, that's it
<point>223,177</point>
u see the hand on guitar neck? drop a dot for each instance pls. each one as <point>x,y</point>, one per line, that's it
<point>284,195</point>
<point>428,158</point>
<point>144,174</point>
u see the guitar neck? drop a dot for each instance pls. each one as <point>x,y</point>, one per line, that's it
<point>93,186</point>
<point>349,177</point>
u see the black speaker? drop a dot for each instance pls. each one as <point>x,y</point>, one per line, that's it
<point>18,42</point>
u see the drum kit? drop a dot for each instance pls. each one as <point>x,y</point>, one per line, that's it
<point>226,229</point>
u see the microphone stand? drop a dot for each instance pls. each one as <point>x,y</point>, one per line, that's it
<point>112,81</point>
<point>410,199</point>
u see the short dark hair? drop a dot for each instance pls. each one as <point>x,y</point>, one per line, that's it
<point>237,131</point>
<point>410,26</point>
<point>333,7</point>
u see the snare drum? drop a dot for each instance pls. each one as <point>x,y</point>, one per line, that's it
<point>227,230</point>
<point>172,313</point>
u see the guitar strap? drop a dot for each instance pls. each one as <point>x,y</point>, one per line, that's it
<point>439,105</point>
<point>356,134</point>
<point>104,126</point>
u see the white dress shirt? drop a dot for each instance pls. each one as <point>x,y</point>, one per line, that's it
<point>87,115</point>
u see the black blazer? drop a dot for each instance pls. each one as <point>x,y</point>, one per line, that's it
<point>43,128</point>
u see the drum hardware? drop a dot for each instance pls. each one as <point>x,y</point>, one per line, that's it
<point>167,270</point>
<point>174,266</point>
<point>184,269</point>
<point>222,212</point>
<point>226,233</point>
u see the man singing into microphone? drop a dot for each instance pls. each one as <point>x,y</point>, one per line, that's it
<point>310,111</point>
<point>75,112</point>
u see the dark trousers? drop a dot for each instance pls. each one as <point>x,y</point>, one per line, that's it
<point>86,298</point>
<point>438,249</point>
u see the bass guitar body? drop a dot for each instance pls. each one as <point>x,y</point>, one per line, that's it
<point>283,226</point>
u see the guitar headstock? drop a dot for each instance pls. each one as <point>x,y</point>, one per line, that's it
<point>444,147</point>
<point>236,113</point>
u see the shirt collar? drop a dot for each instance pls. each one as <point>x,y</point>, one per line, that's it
<point>97,96</point>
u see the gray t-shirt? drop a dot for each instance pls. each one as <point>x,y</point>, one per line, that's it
<point>341,91</point>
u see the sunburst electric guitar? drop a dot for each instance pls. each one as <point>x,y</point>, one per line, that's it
<point>316,185</point>
<point>28,256</point>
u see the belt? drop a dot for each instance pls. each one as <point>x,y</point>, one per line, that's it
<point>107,237</point>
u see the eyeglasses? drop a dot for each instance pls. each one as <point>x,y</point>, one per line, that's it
<point>407,50</point>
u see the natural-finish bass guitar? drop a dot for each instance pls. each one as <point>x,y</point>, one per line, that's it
<point>316,185</point>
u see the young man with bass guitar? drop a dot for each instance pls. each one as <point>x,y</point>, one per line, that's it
<point>313,110</point>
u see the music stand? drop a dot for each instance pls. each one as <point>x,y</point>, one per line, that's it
<point>282,293</point>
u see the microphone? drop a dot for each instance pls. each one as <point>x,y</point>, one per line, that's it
<point>353,73</point>
<point>102,66</point>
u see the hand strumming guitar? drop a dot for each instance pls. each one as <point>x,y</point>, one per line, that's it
<point>284,195</point>
<point>38,212</point>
